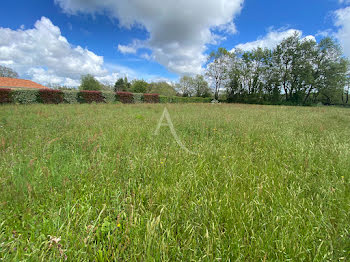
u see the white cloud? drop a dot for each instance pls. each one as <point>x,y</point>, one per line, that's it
<point>45,56</point>
<point>344,2</point>
<point>272,39</point>
<point>179,30</point>
<point>342,20</point>
<point>127,49</point>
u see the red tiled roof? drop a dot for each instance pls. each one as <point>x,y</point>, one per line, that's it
<point>18,83</point>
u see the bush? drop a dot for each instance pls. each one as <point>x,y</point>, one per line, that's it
<point>138,97</point>
<point>125,97</point>
<point>109,97</point>
<point>5,95</point>
<point>151,98</point>
<point>90,96</point>
<point>70,97</point>
<point>50,96</point>
<point>25,96</point>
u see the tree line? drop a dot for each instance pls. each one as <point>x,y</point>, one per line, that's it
<point>297,71</point>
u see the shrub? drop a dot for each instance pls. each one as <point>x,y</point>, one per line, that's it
<point>70,97</point>
<point>125,97</point>
<point>5,95</point>
<point>25,96</point>
<point>138,97</point>
<point>109,97</point>
<point>85,96</point>
<point>151,98</point>
<point>50,96</point>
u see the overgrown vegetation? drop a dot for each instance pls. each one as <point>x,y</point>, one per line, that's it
<point>92,183</point>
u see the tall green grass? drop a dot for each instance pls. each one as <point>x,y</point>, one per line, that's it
<point>92,182</point>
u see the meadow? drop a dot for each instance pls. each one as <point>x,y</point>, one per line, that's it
<point>91,182</point>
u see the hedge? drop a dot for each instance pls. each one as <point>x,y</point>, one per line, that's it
<point>90,96</point>
<point>70,97</point>
<point>151,98</point>
<point>50,96</point>
<point>5,95</point>
<point>109,97</point>
<point>138,98</point>
<point>24,96</point>
<point>125,97</point>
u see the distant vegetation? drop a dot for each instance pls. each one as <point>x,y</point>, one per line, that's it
<point>298,71</point>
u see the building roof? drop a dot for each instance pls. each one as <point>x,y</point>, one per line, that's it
<point>7,82</point>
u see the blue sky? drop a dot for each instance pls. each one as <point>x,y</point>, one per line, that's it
<point>56,41</point>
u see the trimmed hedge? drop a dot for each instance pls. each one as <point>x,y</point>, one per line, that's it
<point>151,98</point>
<point>138,98</point>
<point>70,97</point>
<point>109,97</point>
<point>125,97</point>
<point>24,96</point>
<point>90,96</point>
<point>50,96</point>
<point>5,95</point>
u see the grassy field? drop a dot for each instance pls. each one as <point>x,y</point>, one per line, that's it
<point>93,182</point>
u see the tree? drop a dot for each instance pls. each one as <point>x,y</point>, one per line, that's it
<point>217,69</point>
<point>201,87</point>
<point>185,86</point>
<point>139,86</point>
<point>88,82</point>
<point>122,84</point>
<point>8,72</point>
<point>162,88</point>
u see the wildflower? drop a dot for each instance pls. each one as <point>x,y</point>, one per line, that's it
<point>162,162</point>
<point>118,225</point>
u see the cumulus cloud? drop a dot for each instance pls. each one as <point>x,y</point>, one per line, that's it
<point>178,30</point>
<point>272,39</point>
<point>45,55</point>
<point>342,20</point>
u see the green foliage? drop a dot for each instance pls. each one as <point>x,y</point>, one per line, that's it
<point>138,97</point>
<point>304,71</point>
<point>162,88</point>
<point>122,84</point>
<point>139,86</point>
<point>25,96</point>
<point>70,96</point>
<point>92,183</point>
<point>88,82</point>
<point>109,97</point>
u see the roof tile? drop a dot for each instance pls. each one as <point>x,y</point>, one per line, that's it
<point>18,83</point>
